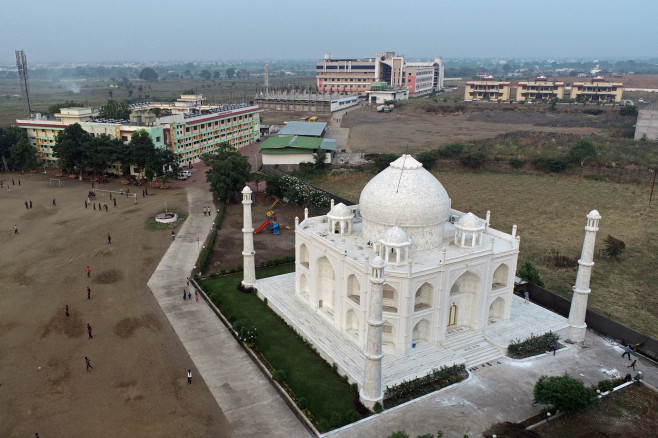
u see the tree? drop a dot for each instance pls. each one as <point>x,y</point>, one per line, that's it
<point>383,160</point>
<point>23,154</point>
<point>530,274</point>
<point>141,149</point>
<point>115,110</point>
<point>215,74</point>
<point>205,74</point>
<point>564,393</point>
<point>8,137</point>
<point>230,72</point>
<point>319,159</point>
<point>428,159</point>
<point>582,151</point>
<point>148,74</point>
<point>69,147</point>
<point>628,110</point>
<point>614,248</point>
<point>229,171</point>
<point>53,109</point>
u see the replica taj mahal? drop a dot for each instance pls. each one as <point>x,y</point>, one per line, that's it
<point>401,283</point>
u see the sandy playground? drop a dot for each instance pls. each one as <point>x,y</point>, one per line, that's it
<point>138,384</point>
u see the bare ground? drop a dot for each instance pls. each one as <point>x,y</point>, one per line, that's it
<point>138,384</point>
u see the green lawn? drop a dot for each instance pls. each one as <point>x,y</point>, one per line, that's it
<point>308,375</point>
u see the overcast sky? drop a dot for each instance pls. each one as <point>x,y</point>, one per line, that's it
<point>220,30</point>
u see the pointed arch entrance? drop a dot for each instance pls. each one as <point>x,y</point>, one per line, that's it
<point>326,286</point>
<point>464,294</point>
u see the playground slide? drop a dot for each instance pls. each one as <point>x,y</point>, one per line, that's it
<point>262,227</point>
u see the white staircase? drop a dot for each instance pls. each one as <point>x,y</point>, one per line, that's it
<point>471,345</point>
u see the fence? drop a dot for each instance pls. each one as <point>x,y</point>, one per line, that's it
<point>642,343</point>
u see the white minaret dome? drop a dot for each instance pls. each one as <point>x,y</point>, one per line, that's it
<point>406,195</point>
<point>340,211</point>
<point>378,263</point>
<point>395,236</point>
<point>469,222</point>
<point>594,214</point>
<point>246,190</point>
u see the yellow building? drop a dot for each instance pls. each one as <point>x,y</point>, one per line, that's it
<point>487,89</point>
<point>539,89</point>
<point>598,90</point>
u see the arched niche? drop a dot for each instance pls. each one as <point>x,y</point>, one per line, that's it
<point>353,289</point>
<point>390,299</point>
<point>421,332</point>
<point>325,285</point>
<point>423,298</point>
<point>500,276</point>
<point>303,255</point>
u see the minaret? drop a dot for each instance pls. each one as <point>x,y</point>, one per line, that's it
<point>267,79</point>
<point>371,392</point>
<point>249,274</point>
<point>581,290</point>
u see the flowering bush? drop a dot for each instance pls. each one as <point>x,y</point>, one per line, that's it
<point>298,192</point>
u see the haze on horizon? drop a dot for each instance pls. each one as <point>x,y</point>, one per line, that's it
<point>73,31</point>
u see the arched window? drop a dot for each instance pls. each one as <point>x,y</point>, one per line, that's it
<point>303,255</point>
<point>496,310</point>
<point>352,323</point>
<point>501,274</point>
<point>353,289</point>
<point>326,285</point>
<point>390,301</point>
<point>421,331</point>
<point>423,299</point>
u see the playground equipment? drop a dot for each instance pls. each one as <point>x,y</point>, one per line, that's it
<point>271,223</point>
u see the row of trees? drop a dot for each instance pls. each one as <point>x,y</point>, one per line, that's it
<point>77,150</point>
<point>16,148</point>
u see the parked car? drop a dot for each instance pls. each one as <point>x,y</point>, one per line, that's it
<point>182,176</point>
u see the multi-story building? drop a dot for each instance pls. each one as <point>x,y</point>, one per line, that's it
<point>539,89</point>
<point>487,89</point>
<point>354,76</point>
<point>598,89</point>
<point>188,130</point>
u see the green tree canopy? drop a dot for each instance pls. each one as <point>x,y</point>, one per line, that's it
<point>428,158</point>
<point>148,74</point>
<point>115,110</point>
<point>141,149</point>
<point>564,393</point>
<point>8,137</point>
<point>205,74</point>
<point>582,151</point>
<point>530,274</point>
<point>55,108</point>
<point>23,154</point>
<point>230,72</point>
<point>229,171</point>
<point>69,148</point>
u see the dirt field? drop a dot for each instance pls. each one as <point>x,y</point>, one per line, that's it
<point>266,244</point>
<point>137,386</point>
<point>373,132</point>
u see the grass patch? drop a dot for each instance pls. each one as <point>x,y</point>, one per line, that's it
<point>327,396</point>
<point>152,224</point>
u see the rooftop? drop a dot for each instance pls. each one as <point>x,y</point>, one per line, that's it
<point>309,129</point>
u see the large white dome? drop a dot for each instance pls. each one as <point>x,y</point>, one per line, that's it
<point>406,195</point>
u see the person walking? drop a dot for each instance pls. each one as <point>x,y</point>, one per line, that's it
<point>115,202</point>
<point>88,293</point>
<point>54,203</point>
<point>189,296</point>
<point>632,365</point>
<point>89,332</point>
<point>184,294</point>
<point>188,280</point>
<point>196,295</point>
<point>627,351</point>
<point>86,205</point>
<point>189,377</point>
<point>105,205</point>
<point>526,296</point>
<point>88,271</point>
<point>173,236</point>
<point>15,229</point>
<point>94,205</point>
<point>26,205</point>
<point>66,310</point>
<point>109,239</point>
<point>88,364</point>
<point>30,203</point>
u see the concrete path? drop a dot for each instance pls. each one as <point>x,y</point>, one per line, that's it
<point>251,405</point>
<point>500,392</point>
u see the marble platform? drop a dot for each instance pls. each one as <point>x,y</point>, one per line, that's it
<point>462,344</point>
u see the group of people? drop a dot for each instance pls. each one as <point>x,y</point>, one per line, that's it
<point>206,211</point>
<point>627,352</point>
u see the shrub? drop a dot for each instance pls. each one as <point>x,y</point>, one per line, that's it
<point>399,434</point>
<point>609,384</point>
<point>451,150</point>
<point>302,403</point>
<point>530,274</point>
<point>279,376</point>
<point>516,163</point>
<point>614,248</point>
<point>564,393</point>
<point>593,111</point>
<point>377,408</point>
<point>557,166</point>
<point>383,160</point>
<point>582,151</point>
<point>428,159</point>
<point>532,345</point>
<point>628,110</point>
<point>474,160</point>
<point>434,380</point>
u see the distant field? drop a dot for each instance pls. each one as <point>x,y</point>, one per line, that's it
<point>93,92</point>
<point>550,213</point>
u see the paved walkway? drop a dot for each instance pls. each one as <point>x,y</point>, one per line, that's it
<point>251,405</point>
<point>500,392</point>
